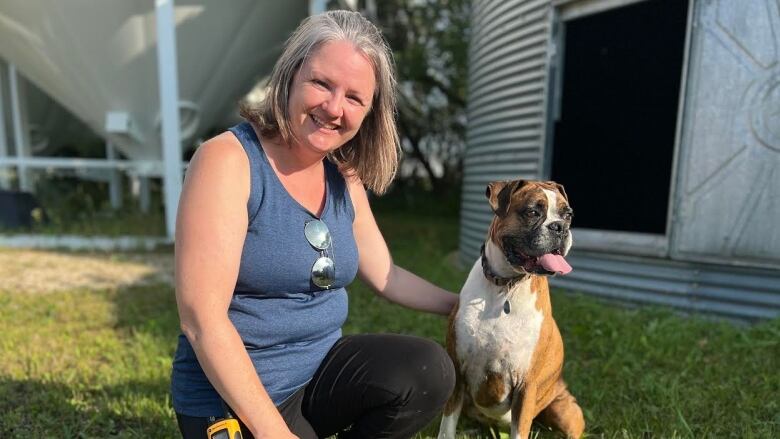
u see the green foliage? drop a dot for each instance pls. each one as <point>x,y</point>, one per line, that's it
<point>412,196</point>
<point>96,363</point>
<point>82,207</point>
<point>429,39</point>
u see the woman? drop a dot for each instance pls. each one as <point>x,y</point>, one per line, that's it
<point>273,222</point>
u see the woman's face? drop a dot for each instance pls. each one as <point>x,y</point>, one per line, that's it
<point>330,96</point>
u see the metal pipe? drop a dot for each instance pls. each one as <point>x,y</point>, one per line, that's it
<point>115,181</point>
<point>21,137</point>
<point>145,167</point>
<point>5,174</point>
<point>169,109</point>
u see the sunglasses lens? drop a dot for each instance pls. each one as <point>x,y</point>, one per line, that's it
<point>323,272</point>
<point>317,234</point>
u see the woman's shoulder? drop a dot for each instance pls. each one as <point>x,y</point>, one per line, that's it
<point>356,190</point>
<point>224,147</point>
<point>223,155</point>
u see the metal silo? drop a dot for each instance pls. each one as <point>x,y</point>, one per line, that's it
<point>142,75</point>
<point>717,248</point>
<point>508,67</point>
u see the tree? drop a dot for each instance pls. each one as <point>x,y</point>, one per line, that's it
<point>429,39</point>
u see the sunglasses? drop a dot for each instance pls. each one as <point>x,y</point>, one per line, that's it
<point>323,272</point>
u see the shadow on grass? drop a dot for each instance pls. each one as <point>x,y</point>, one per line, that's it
<point>53,410</point>
<point>101,368</point>
<point>150,309</point>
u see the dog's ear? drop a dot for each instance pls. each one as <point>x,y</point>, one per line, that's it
<point>498,194</point>
<point>561,190</point>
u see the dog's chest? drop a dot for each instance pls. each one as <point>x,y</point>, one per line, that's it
<point>488,338</point>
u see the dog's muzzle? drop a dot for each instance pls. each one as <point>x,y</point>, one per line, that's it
<point>550,260</point>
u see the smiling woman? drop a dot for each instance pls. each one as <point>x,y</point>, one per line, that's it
<point>371,153</point>
<point>329,101</point>
<point>274,222</point>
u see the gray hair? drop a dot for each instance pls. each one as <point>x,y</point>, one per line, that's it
<point>374,152</point>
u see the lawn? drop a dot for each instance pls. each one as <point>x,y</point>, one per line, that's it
<point>80,361</point>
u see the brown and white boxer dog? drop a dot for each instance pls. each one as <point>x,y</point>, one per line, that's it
<point>506,347</point>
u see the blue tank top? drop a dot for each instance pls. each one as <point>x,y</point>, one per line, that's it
<point>287,323</point>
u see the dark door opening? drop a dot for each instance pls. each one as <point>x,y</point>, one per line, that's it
<point>613,143</point>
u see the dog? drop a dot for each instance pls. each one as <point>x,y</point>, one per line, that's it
<point>502,338</point>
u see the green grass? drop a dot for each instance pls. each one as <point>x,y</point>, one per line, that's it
<point>107,222</point>
<point>96,363</point>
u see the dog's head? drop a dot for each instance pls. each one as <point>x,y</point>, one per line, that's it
<point>532,224</point>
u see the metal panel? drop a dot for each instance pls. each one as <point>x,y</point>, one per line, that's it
<point>730,148</point>
<point>632,243</point>
<point>571,9</point>
<point>508,57</point>
<point>735,293</point>
<point>727,205</point>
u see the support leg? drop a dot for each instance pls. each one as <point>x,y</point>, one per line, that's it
<point>139,188</point>
<point>564,413</point>
<point>115,180</point>
<point>522,411</point>
<point>452,409</point>
<point>20,127</point>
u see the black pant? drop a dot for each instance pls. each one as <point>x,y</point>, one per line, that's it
<point>368,386</point>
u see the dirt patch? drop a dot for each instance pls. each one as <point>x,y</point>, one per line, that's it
<point>35,271</point>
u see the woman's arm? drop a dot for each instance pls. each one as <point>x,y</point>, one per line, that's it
<point>376,267</point>
<point>210,232</point>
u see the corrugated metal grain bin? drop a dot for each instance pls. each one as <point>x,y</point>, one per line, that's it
<point>662,119</point>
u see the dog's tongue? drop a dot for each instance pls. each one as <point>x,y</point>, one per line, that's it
<point>554,263</point>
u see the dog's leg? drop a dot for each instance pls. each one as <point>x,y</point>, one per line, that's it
<point>449,418</point>
<point>522,411</point>
<point>564,413</point>
<point>495,432</point>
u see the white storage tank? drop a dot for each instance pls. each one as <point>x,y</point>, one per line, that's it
<point>97,58</point>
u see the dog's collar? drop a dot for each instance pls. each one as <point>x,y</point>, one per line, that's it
<point>493,277</point>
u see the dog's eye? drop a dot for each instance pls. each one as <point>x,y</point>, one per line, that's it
<point>568,216</point>
<point>533,213</point>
